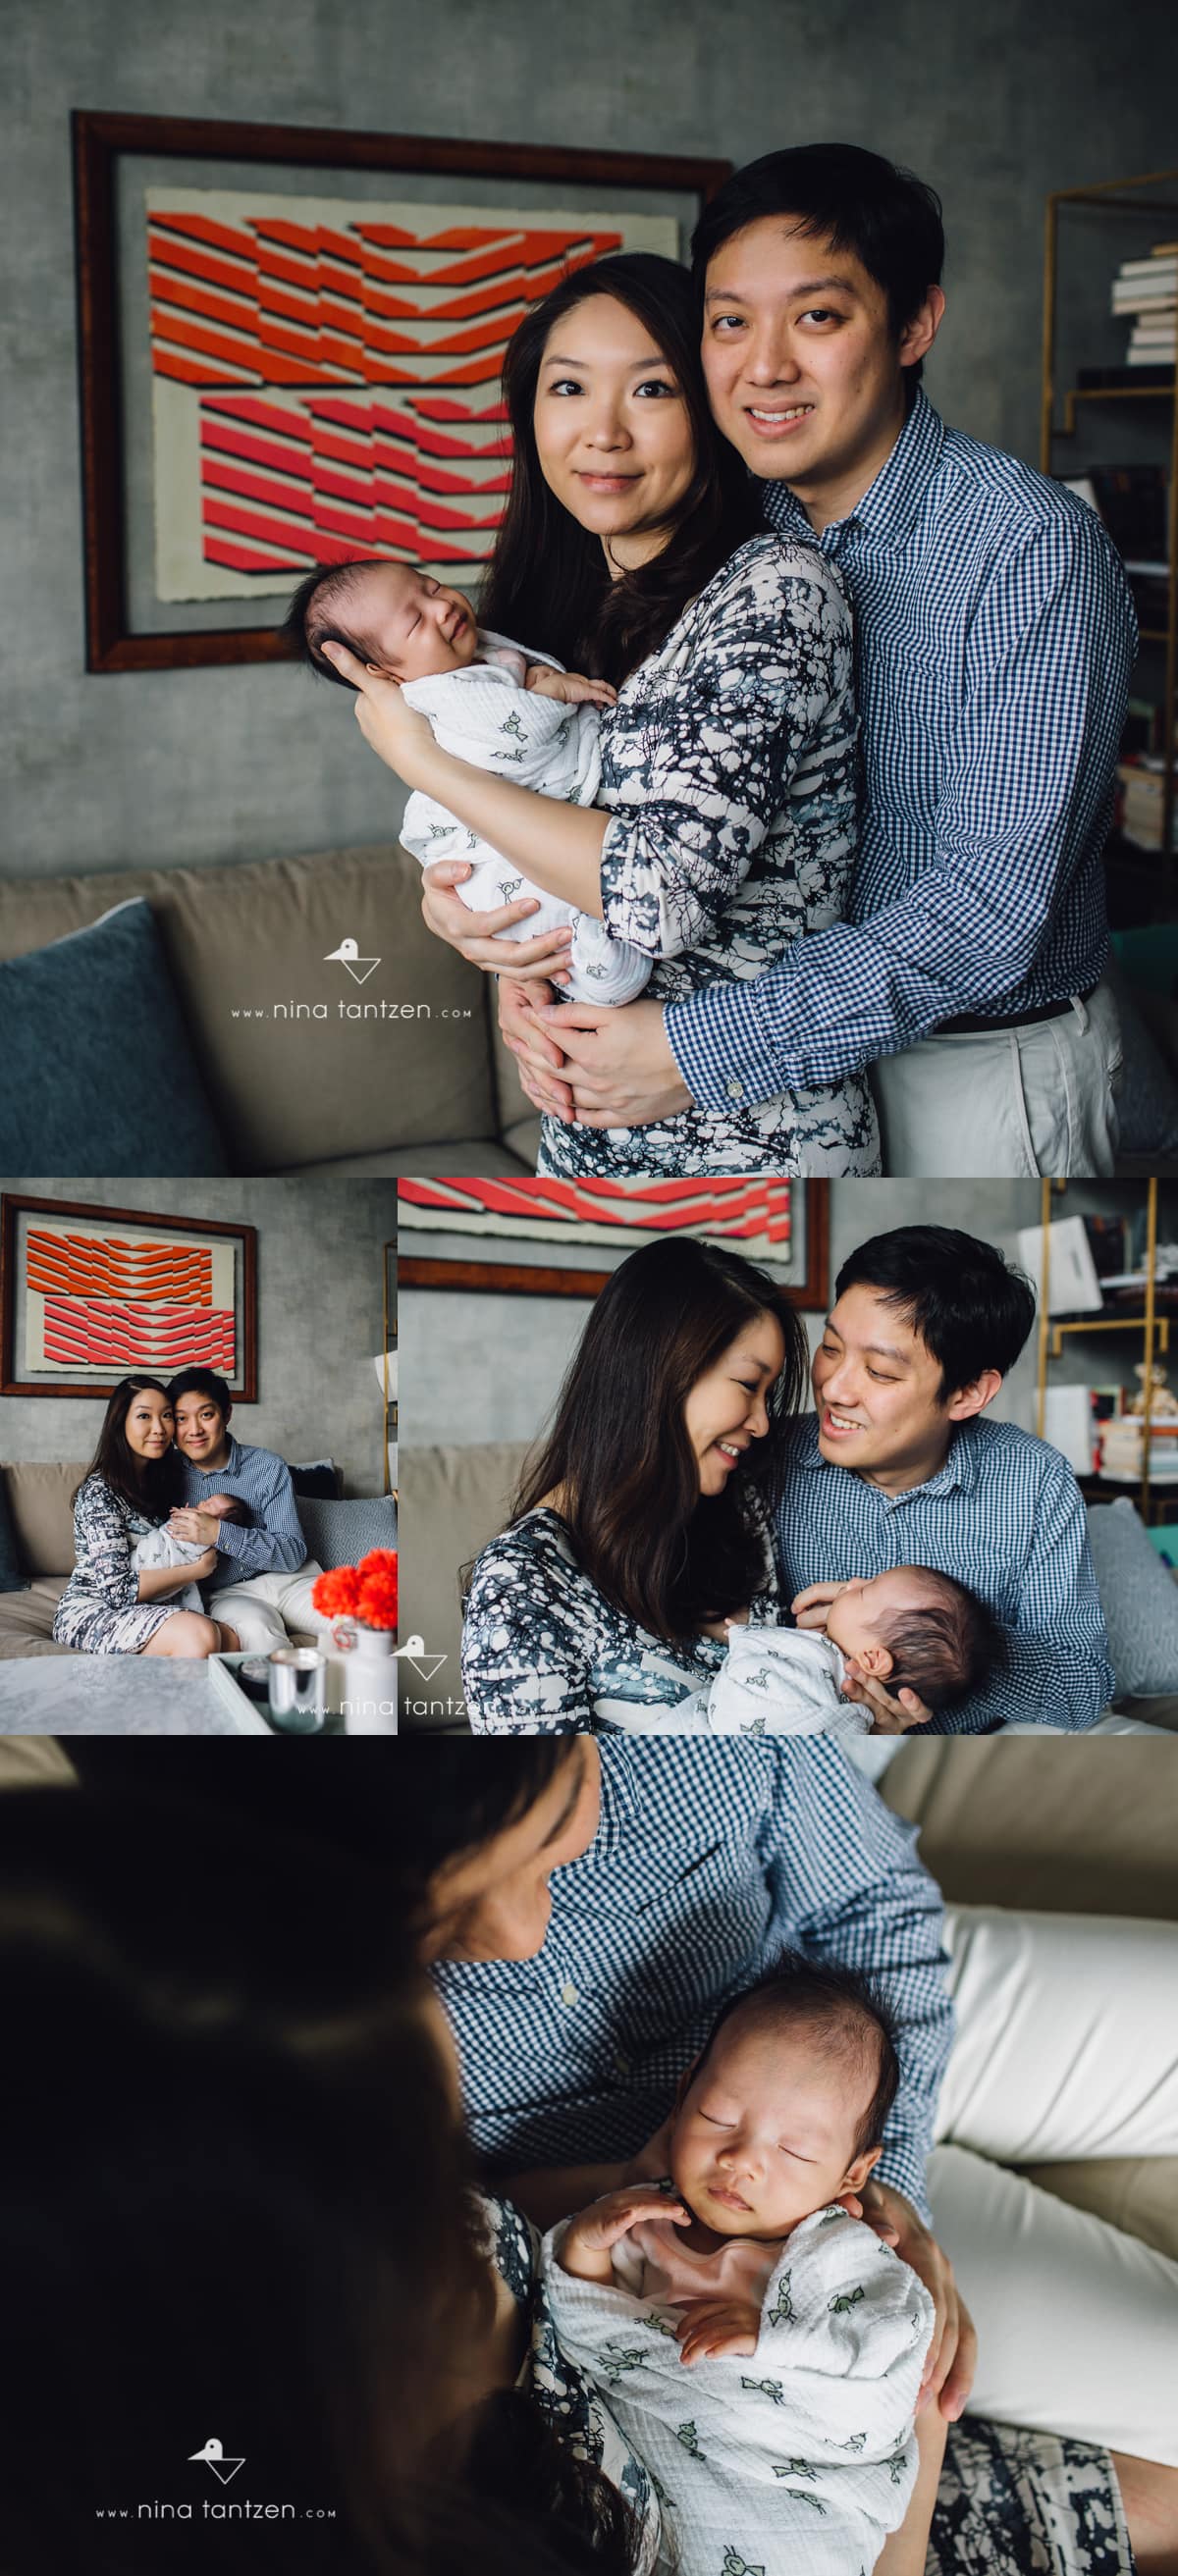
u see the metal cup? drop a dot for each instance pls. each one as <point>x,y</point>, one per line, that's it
<point>298,1690</point>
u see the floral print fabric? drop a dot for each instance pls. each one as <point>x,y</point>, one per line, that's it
<point>99,1612</point>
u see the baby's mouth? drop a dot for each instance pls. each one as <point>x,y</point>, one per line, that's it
<point>728,2199</point>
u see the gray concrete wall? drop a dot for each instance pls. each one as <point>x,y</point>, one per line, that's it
<point>320,1318</point>
<point>995,103</point>
<point>489,1367</point>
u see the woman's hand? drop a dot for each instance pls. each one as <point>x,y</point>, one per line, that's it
<point>538,1059</point>
<point>473,934</point>
<point>952,2354</point>
<point>623,1071</point>
<point>710,2326</point>
<point>397,734</point>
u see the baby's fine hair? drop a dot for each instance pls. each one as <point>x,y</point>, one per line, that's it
<point>843,2014</point>
<point>327,589</point>
<point>949,1647</point>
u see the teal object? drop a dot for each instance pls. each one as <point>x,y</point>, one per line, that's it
<point>1149,957</point>
<point>98,1072</point>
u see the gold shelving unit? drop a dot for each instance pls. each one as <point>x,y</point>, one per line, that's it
<point>1113,196</point>
<point>1154,1329</point>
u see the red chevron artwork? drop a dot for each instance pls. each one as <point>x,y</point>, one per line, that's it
<point>345,375</point>
<point>90,1333</point>
<point>503,1235</point>
<point>88,1293</point>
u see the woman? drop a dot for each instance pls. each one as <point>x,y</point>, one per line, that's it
<point>630,548</point>
<point>109,1607</point>
<point>641,1528</point>
<point>237,2221</point>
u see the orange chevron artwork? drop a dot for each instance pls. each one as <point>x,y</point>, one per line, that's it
<point>97,1303</point>
<point>326,376</point>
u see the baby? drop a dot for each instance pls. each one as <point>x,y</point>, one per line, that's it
<point>491,703</point>
<point>159,1547</point>
<point>911,1629</point>
<point>805,2336</point>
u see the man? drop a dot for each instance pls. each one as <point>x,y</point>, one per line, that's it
<point>251,1582</point>
<point>995,640</point>
<point>594,1904</point>
<point>926,1323</point>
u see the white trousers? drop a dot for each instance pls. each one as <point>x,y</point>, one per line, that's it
<point>266,1607</point>
<point>1067,2048</point>
<point>1009,1103</point>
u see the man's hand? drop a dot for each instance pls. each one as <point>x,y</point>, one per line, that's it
<point>654,2159</point>
<point>952,2354</point>
<point>889,1716</point>
<point>201,1529</point>
<point>710,2326</point>
<point>623,1073</point>
<point>587,2240</point>
<point>473,934</point>
<point>539,1061</point>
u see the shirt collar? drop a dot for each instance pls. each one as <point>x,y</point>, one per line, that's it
<point>890,504</point>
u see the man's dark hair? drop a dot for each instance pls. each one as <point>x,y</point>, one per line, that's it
<point>854,199</point>
<point>845,2015</point>
<point>329,587</point>
<point>952,1647</point>
<point>200,1381</point>
<point>963,1300</point>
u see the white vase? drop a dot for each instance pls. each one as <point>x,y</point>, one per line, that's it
<point>369,1685</point>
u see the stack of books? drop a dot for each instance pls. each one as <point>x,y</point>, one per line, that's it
<point>1145,292</point>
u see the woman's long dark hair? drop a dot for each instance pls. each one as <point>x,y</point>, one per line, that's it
<point>238,2203</point>
<point>548,583</point>
<point>619,1452</point>
<point>150,1485</point>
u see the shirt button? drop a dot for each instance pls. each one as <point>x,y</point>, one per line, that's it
<point>568,1993</point>
<point>734,1089</point>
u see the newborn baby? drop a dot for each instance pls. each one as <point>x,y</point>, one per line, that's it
<point>911,1629</point>
<point>159,1547</point>
<point>492,704</point>
<point>762,2348</point>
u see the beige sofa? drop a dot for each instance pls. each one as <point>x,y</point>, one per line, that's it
<point>452,1501</point>
<point>39,1493</point>
<point>431,1092</point>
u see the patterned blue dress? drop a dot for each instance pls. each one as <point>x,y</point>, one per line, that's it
<point>730,767</point>
<point>100,1612</point>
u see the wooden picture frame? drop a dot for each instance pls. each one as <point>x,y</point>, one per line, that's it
<point>102,143</point>
<point>809,1289</point>
<point>186,1232</point>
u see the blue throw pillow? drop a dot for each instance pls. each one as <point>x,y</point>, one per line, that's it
<point>99,1075</point>
<point>341,1533</point>
<point>11,1578</point>
<point>1139,1599</point>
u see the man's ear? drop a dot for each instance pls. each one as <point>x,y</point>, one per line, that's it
<point>918,335</point>
<point>226,1415</point>
<point>857,2173</point>
<point>973,1399</point>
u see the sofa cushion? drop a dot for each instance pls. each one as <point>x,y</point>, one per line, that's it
<point>340,1533</point>
<point>39,1494</point>
<point>99,1074</point>
<point>452,1501</point>
<point>484,1160</point>
<point>26,1619</point>
<point>1065,1826</point>
<point>296,1092</point>
<point>1139,1598</point>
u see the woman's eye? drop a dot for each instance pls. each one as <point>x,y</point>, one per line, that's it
<point>728,323</point>
<point>565,385</point>
<point>881,1377</point>
<point>655,385</point>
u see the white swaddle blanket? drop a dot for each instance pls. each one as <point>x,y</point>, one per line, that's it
<point>798,2461</point>
<point>773,1681</point>
<point>485,715</point>
<point>160,1548</point>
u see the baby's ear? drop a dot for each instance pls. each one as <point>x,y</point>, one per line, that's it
<point>857,2173</point>
<point>378,671</point>
<point>874,1662</point>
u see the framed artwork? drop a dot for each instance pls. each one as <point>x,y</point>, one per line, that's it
<point>88,1293</point>
<point>290,343</point>
<point>551,1238</point>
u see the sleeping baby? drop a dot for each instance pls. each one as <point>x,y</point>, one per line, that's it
<point>491,703</point>
<point>761,2347</point>
<point>159,1547</point>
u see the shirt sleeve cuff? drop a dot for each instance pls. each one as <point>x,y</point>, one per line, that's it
<point>719,1045</point>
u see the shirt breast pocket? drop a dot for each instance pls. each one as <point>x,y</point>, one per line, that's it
<point>907,712</point>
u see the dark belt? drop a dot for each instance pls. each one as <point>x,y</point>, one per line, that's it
<point>971,1024</point>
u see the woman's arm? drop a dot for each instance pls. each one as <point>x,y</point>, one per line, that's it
<point>102,1546</point>
<point>905,2551</point>
<point>157,1581</point>
<point>526,1639</point>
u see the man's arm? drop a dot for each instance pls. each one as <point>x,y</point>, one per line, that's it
<point>846,1883</point>
<point>1057,1671</point>
<point>275,1543</point>
<point>1027,780</point>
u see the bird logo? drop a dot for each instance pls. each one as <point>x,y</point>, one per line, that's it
<point>413,1649</point>
<point>214,2459</point>
<point>348,955</point>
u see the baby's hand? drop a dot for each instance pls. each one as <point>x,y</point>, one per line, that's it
<point>810,1607</point>
<point>585,2247</point>
<point>571,686</point>
<point>710,2326</point>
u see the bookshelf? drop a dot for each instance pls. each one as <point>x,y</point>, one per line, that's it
<point>1145,1328</point>
<point>1082,407</point>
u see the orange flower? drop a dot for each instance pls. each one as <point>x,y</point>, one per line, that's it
<point>377,1605</point>
<point>337,1593</point>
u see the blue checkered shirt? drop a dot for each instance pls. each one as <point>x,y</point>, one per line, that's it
<point>709,1859</point>
<point>995,635</point>
<point>1005,1516</point>
<point>274,1543</point>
